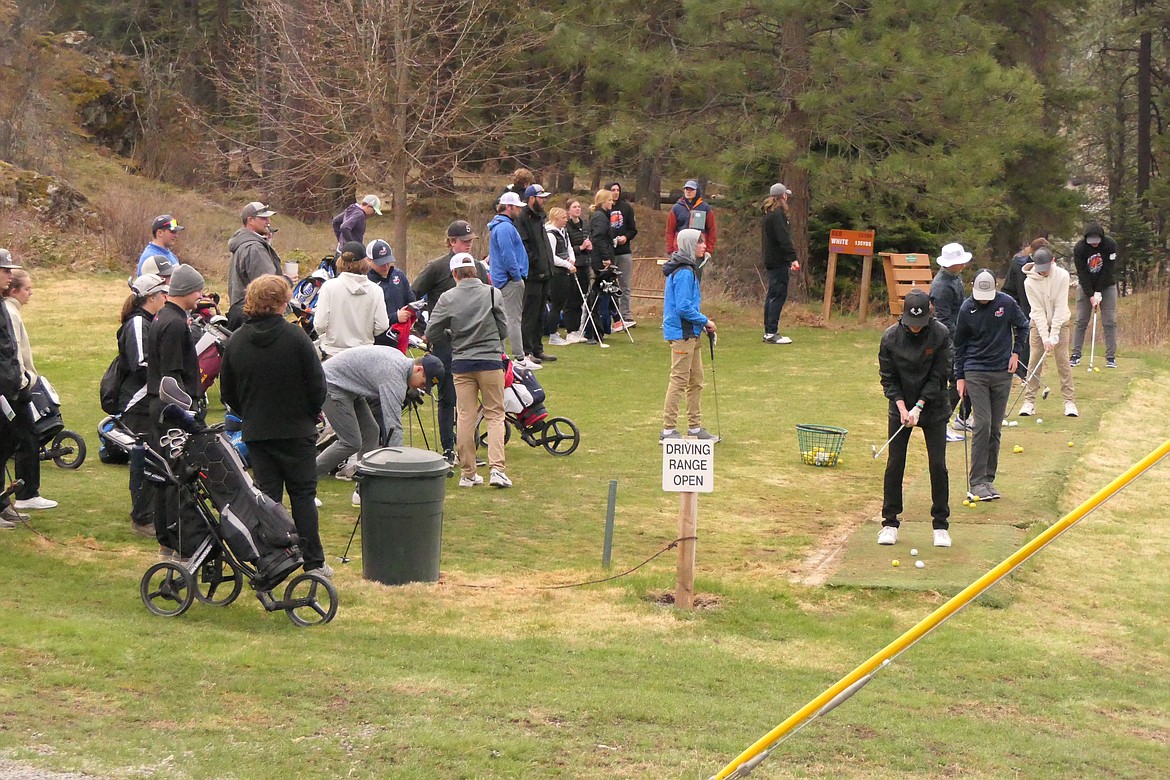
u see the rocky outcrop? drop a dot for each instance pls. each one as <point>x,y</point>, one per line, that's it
<point>53,200</point>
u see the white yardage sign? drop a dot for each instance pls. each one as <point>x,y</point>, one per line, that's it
<point>688,466</point>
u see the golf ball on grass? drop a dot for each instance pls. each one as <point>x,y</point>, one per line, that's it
<point>919,565</point>
<point>896,563</point>
<point>1097,369</point>
<point>914,552</point>
<point>1039,421</point>
<point>1070,444</point>
<point>1013,424</point>
<point>1017,449</point>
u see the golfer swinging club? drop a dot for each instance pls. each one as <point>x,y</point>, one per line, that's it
<point>914,361</point>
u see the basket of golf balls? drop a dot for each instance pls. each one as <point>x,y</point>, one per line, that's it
<point>820,445</point>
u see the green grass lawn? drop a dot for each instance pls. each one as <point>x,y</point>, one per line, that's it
<point>489,674</point>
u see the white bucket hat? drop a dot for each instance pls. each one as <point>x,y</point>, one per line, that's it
<point>953,254</point>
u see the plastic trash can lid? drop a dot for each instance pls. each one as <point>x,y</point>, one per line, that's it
<point>402,462</point>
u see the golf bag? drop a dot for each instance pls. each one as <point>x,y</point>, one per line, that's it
<point>523,396</point>
<point>211,333</point>
<point>306,292</point>
<point>233,426</point>
<point>45,406</point>
<point>114,441</point>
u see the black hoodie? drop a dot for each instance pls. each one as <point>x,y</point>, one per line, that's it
<point>272,378</point>
<point>1095,264</point>
<point>915,366</point>
<point>622,222</point>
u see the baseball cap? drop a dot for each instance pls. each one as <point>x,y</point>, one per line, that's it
<point>148,284</point>
<point>984,288</point>
<point>1042,260</point>
<point>374,202</point>
<point>460,229</point>
<point>157,265</point>
<point>256,209</point>
<point>916,309</point>
<point>165,222</point>
<point>510,199</point>
<point>434,370</point>
<point>462,260</point>
<point>6,260</point>
<point>778,190</point>
<point>185,280</point>
<point>535,191</point>
<point>379,251</point>
<point>355,248</point>
<point>691,185</point>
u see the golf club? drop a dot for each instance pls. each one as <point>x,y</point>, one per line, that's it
<point>345,555</point>
<point>1024,385</point>
<point>589,313</point>
<point>1093,343</point>
<point>877,452</point>
<point>967,464</point>
<point>715,384</point>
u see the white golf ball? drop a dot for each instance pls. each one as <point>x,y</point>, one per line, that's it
<point>1013,423</point>
<point>919,565</point>
<point>1039,421</point>
<point>914,551</point>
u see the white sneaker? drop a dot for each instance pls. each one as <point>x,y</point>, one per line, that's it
<point>576,337</point>
<point>942,537</point>
<point>471,481</point>
<point>356,498</point>
<point>527,365</point>
<point>317,502</point>
<point>36,502</point>
<point>556,340</point>
<point>1028,409</point>
<point>346,471</point>
<point>499,479</point>
<point>888,535</point>
<point>954,435</point>
<point>1070,409</point>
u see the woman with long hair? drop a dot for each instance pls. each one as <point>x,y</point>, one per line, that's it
<point>779,261</point>
<point>562,289</point>
<point>601,257</point>
<point>351,310</point>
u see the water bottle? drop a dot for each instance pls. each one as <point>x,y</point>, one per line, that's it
<point>137,466</point>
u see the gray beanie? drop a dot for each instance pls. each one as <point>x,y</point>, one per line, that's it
<point>185,280</point>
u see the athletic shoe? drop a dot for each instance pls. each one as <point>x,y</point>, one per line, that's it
<point>775,338</point>
<point>555,340</point>
<point>942,537</point>
<point>1074,360</point>
<point>449,456</point>
<point>617,327</point>
<point>10,514</point>
<point>1070,409</point>
<point>543,358</point>
<point>1028,409</point>
<point>700,433</point>
<point>531,358</point>
<point>527,365</point>
<point>346,470</point>
<point>671,434</point>
<point>630,323</point>
<point>356,498</point>
<point>1109,363</point>
<point>963,425</point>
<point>994,493</point>
<point>499,479</point>
<point>576,337</point>
<point>36,502</point>
<point>143,529</point>
<point>4,524</point>
<point>472,481</point>
<point>984,492</point>
<point>888,535</point>
<point>954,435</point>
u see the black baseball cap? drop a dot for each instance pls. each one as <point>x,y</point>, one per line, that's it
<point>165,222</point>
<point>434,370</point>
<point>460,228</point>
<point>916,309</point>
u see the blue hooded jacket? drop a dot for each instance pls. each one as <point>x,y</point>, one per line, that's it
<point>681,318</point>
<point>506,249</point>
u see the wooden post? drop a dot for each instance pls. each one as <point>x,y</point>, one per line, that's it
<point>688,524</point>
<point>866,273</point>
<point>830,280</point>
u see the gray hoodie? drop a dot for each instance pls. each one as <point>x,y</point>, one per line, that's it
<point>374,372</point>
<point>252,257</point>
<point>471,317</point>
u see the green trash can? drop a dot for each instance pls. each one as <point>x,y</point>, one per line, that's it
<point>402,492</point>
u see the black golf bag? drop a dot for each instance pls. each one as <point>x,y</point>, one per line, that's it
<point>46,411</point>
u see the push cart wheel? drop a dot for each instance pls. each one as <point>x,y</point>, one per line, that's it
<point>217,581</point>
<point>71,449</point>
<point>481,436</point>
<point>561,436</point>
<point>310,599</point>
<point>167,589</point>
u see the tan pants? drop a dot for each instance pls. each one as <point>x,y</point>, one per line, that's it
<point>470,388</point>
<point>1060,355</point>
<point>686,379</point>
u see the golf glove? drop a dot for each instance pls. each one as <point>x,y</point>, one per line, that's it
<point>1096,299</point>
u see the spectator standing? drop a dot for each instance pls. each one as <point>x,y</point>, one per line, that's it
<point>28,453</point>
<point>252,257</point>
<point>522,179</point>
<point>683,324</point>
<point>601,259</point>
<point>1095,258</point>
<point>987,351</point>
<point>1046,286</point>
<point>171,353</point>
<point>148,294</point>
<point>396,293</point>
<point>578,231</point>
<point>914,361</point>
<point>470,318</point>
<point>271,375</point>
<point>624,229</point>
<point>432,282</point>
<point>779,260</point>
<point>351,310</point>
<point>350,224</point>
<point>690,211</point>
<point>947,296</point>
<point>1013,285</point>
<point>509,270</point>
<point>15,418</point>
<point>530,225</point>
<point>562,288</point>
<point>164,233</point>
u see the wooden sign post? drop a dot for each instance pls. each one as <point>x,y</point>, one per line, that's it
<point>849,242</point>
<point>688,468</point>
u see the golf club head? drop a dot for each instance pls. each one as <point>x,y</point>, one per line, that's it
<point>1044,395</point>
<point>873,448</point>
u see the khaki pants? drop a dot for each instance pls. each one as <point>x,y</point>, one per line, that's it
<point>470,388</point>
<point>1060,355</point>
<point>686,379</point>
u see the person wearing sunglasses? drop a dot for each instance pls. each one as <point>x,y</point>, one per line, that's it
<point>164,233</point>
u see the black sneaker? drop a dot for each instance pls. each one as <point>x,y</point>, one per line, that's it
<point>543,358</point>
<point>1074,360</point>
<point>1110,363</point>
<point>449,456</point>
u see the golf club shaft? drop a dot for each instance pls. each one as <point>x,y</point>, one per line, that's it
<point>714,383</point>
<point>877,454</point>
<point>1024,386</point>
<point>1093,342</point>
<point>588,311</point>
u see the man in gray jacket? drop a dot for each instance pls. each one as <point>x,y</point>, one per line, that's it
<point>470,317</point>
<point>252,257</point>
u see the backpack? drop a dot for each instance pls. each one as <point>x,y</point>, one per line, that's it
<point>111,385</point>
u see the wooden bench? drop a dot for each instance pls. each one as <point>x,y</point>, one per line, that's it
<point>903,274</point>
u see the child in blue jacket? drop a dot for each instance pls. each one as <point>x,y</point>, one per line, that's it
<point>682,326</point>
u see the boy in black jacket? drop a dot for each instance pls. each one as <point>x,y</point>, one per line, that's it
<point>987,353</point>
<point>1095,258</point>
<point>914,361</point>
<point>530,226</point>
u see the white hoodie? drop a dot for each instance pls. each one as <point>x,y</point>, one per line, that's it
<point>350,312</point>
<point>1048,297</point>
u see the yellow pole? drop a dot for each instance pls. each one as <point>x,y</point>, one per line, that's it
<point>852,682</point>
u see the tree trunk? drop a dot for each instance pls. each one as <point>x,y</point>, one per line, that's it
<point>399,160</point>
<point>794,47</point>
<point>1144,105</point>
